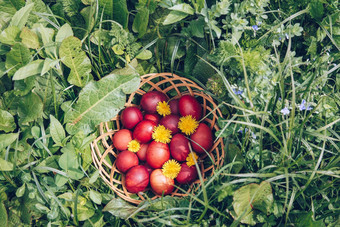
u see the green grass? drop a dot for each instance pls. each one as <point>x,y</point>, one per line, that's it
<point>269,56</point>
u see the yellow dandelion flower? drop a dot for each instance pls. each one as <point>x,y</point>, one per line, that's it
<point>163,108</point>
<point>192,157</point>
<point>133,146</point>
<point>187,125</point>
<point>161,134</point>
<point>171,169</point>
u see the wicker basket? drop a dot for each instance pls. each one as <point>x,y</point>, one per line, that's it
<point>103,153</point>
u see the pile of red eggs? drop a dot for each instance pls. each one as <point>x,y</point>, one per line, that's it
<point>160,142</point>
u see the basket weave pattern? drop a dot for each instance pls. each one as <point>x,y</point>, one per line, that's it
<point>174,87</point>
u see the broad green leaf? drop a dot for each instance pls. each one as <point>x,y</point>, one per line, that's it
<point>31,69</point>
<point>242,203</point>
<point>21,191</point>
<point>69,160</point>
<point>174,16</point>
<point>306,220</point>
<point>5,165</point>
<point>120,12</point>
<point>75,174</point>
<point>252,197</point>
<point>20,17</point>
<point>7,139</point>
<point>7,123</point>
<point>50,161</point>
<point>264,199</point>
<point>3,215</point>
<point>11,6</point>
<point>29,38</point>
<point>144,55</point>
<point>49,64</point>
<point>101,37</point>
<point>46,35</point>
<point>316,9</point>
<point>10,35</point>
<point>107,7</point>
<point>141,21</point>
<point>84,212</point>
<point>57,131</point>
<point>17,57</point>
<point>234,153</point>
<point>100,101</point>
<point>74,57</point>
<point>30,108</point>
<point>127,70</point>
<point>96,197</point>
<point>184,8</point>
<point>42,208</point>
<point>94,177</point>
<point>88,15</point>
<point>64,32</point>
<point>96,221</point>
<point>119,208</point>
<point>60,180</point>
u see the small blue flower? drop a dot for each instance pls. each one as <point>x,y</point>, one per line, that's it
<point>302,105</point>
<point>253,135</point>
<point>285,111</point>
<point>259,23</point>
<point>255,27</point>
<point>280,38</point>
<point>237,92</point>
<point>309,107</point>
<point>287,36</point>
<point>280,98</point>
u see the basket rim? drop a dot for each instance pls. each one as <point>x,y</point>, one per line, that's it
<point>98,157</point>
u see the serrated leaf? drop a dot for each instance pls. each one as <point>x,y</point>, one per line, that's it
<point>74,57</point>
<point>17,57</point>
<point>7,139</point>
<point>3,215</point>
<point>64,32</point>
<point>20,17</point>
<point>119,208</point>
<point>20,191</point>
<point>5,165</point>
<point>174,16</point>
<point>184,8</point>
<point>10,35</point>
<point>95,197</point>
<point>31,69</point>
<point>120,12</point>
<point>141,21</point>
<point>7,123</point>
<point>100,101</point>
<point>57,130</point>
<point>29,38</point>
<point>30,108</point>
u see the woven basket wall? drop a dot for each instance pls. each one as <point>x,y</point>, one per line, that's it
<point>104,154</point>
